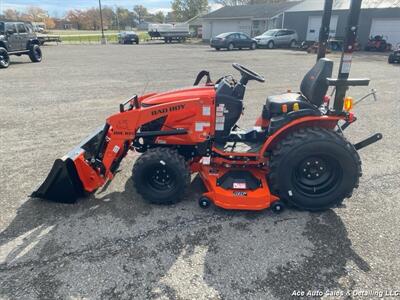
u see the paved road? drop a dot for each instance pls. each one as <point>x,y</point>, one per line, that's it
<point>114,245</point>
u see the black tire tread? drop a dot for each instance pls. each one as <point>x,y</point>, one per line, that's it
<point>167,154</point>
<point>6,66</point>
<point>32,55</point>
<point>301,136</point>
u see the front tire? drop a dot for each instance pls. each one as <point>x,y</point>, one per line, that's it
<point>230,47</point>
<point>271,45</point>
<point>314,169</point>
<point>253,46</point>
<point>4,58</point>
<point>292,44</point>
<point>35,53</point>
<point>161,176</point>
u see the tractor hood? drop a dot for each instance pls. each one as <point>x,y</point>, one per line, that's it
<point>179,95</point>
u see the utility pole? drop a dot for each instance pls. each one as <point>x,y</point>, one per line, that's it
<point>116,13</point>
<point>103,38</point>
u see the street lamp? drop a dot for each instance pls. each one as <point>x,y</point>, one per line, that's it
<point>103,38</point>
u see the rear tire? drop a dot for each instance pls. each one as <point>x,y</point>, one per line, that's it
<point>161,176</point>
<point>314,169</point>
<point>35,53</point>
<point>4,58</point>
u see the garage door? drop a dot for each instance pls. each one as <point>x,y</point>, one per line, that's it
<point>389,28</point>
<point>222,26</point>
<point>314,25</point>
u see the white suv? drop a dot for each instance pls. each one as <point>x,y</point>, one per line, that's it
<point>277,38</point>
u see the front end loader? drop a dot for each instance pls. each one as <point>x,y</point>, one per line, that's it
<point>296,153</point>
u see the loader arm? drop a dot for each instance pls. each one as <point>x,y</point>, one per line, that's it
<point>92,163</point>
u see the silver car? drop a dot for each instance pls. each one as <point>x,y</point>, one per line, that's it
<point>277,38</point>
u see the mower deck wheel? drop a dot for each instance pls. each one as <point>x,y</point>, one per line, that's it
<point>278,207</point>
<point>161,176</point>
<point>204,202</point>
<point>314,169</point>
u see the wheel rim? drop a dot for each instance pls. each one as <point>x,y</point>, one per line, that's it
<point>270,45</point>
<point>160,178</point>
<point>230,47</point>
<point>4,58</point>
<point>317,176</point>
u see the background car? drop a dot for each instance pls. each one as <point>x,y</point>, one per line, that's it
<point>128,37</point>
<point>233,40</point>
<point>17,38</point>
<point>277,38</point>
<point>394,57</point>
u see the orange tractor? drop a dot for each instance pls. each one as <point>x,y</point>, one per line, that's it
<point>295,154</point>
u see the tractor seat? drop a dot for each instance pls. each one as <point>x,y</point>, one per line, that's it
<point>313,89</point>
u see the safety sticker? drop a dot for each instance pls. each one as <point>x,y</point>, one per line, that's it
<point>347,58</point>
<point>206,160</point>
<point>219,126</point>
<point>220,119</point>
<point>221,107</point>
<point>239,185</point>
<point>206,111</point>
<point>116,149</point>
<point>199,126</point>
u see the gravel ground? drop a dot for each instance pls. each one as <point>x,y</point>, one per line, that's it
<point>114,245</point>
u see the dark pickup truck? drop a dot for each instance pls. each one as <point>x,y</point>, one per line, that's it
<point>17,38</point>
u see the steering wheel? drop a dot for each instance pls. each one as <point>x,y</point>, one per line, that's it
<point>247,74</point>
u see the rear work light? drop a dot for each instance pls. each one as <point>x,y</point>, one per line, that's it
<point>348,104</point>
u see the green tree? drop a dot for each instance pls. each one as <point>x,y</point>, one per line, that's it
<point>140,12</point>
<point>246,2</point>
<point>187,9</point>
<point>159,17</point>
<point>124,17</point>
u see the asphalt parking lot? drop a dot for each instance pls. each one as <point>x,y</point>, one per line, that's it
<point>114,245</point>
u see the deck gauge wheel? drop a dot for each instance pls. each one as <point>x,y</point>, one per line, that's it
<point>204,202</point>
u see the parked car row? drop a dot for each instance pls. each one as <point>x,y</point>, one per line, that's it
<point>270,39</point>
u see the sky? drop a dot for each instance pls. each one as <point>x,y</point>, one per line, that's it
<point>58,7</point>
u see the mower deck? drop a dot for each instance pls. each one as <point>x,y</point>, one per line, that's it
<point>240,189</point>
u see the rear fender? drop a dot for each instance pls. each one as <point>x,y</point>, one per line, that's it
<point>4,44</point>
<point>32,42</point>
<point>328,122</point>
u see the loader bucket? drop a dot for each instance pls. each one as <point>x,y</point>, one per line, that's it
<point>62,184</point>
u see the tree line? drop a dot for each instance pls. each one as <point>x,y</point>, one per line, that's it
<point>121,17</point>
